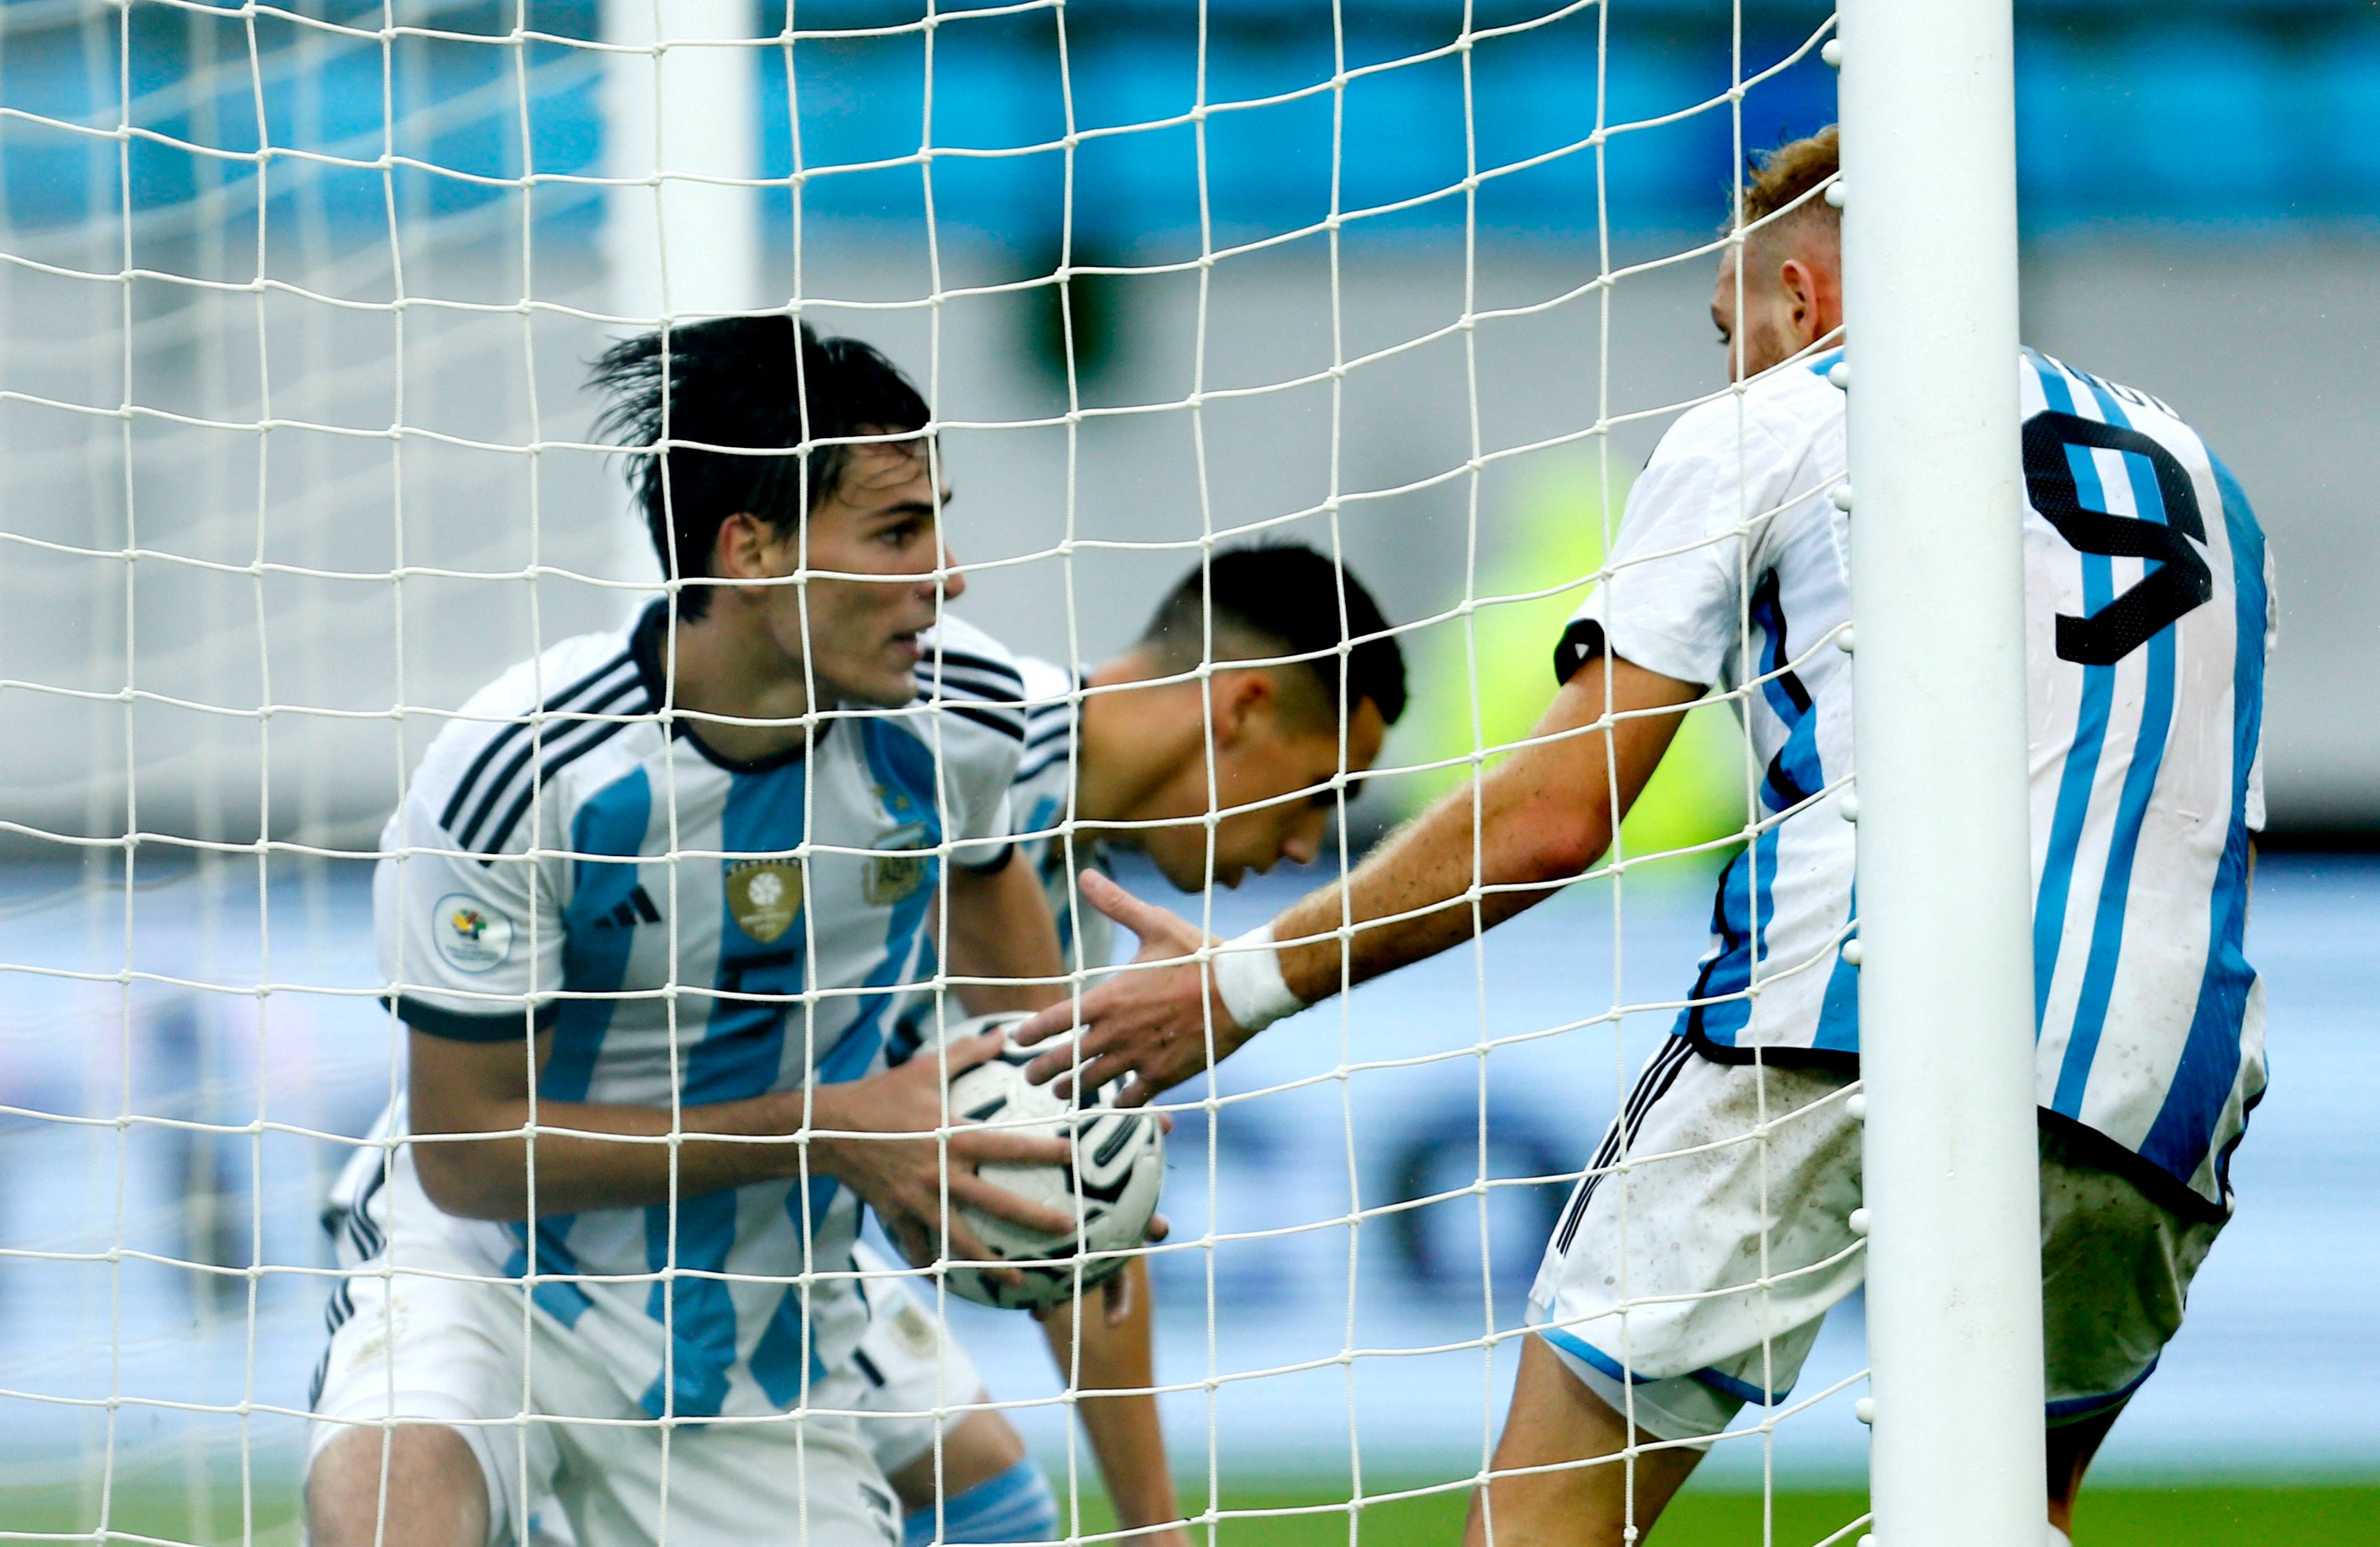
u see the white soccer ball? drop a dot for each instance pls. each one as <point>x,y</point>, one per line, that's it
<point>1111,1187</point>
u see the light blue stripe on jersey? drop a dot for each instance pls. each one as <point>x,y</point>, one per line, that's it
<point>1741,919</point>
<point>594,961</point>
<point>1797,760</point>
<point>777,1361</point>
<point>2210,1055</point>
<point>595,949</point>
<point>2082,770</point>
<point>1838,1012</point>
<point>904,770</point>
<point>2132,805</point>
<point>740,1056</point>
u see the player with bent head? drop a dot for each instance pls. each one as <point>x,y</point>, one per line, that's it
<point>1117,755</point>
<point>1694,1281</point>
<point>652,893</point>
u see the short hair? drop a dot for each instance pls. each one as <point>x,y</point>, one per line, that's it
<point>766,383</point>
<point>1774,179</point>
<point>1282,600</point>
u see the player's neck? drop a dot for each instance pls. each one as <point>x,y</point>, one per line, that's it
<point>1128,749</point>
<point>717,668</point>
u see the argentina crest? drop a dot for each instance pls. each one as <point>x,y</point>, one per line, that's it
<point>900,866</point>
<point>764,896</point>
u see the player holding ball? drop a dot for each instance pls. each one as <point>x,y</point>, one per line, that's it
<point>644,911</point>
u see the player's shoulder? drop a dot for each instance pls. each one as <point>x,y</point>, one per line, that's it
<point>1048,684</point>
<point>974,677</point>
<point>534,721</point>
<point>1776,418</point>
<point>2051,382</point>
<point>1052,699</point>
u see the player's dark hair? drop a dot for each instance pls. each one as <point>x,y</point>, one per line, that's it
<point>765,382</point>
<point>1282,600</point>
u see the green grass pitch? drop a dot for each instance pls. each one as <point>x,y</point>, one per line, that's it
<point>2184,1514</point>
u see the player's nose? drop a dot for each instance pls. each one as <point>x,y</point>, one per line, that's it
<point>955,582</point>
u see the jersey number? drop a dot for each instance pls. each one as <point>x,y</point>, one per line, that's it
<point>2179,579</point>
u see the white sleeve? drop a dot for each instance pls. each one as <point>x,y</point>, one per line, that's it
<point>1671,603</point>
<point>470,946</point>
<point>982,766</point>
<point>980,692</point>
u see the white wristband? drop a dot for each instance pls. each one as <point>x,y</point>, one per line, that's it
<point>1248,981</point>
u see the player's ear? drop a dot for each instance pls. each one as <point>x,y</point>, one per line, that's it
<point>746,548</point>
<point>1240,697</point>
<point>1799,285</point>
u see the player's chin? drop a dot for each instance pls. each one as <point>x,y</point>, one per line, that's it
<point>888,681</point>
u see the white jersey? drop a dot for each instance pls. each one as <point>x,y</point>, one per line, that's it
<point>694,929</point>
<point>1041,801</point>
<point>2149,618</point>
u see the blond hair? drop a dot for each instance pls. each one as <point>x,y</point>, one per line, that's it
<point>1775,179</point>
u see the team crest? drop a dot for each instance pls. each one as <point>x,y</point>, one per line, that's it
<point>764,896</point>
<point>893,875</point>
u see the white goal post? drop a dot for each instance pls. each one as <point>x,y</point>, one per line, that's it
<point>1945,888</point>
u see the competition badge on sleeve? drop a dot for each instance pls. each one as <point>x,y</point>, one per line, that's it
<point>468,937</point>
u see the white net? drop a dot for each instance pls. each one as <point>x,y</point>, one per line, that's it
<point>299,307</point>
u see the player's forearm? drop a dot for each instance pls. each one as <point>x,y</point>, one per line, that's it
<point>1524,830</point>
<point>1431,887</point>
<point>611,1157</point>
<point>999,929</point>
<point>1126,1438</point>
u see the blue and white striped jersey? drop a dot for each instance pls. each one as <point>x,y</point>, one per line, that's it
<point>689,930</point>
<point>2149,618</point>
<point>1041,800</point>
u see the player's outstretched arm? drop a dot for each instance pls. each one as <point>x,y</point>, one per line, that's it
<point>1524,830</point>
<point>471,1112</point>
<point>1108,1347</point>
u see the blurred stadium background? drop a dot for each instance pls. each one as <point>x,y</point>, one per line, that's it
<point>2201,192</point>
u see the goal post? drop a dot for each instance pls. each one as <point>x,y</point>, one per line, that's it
<point>682,228</point>
<point>1946,979</point>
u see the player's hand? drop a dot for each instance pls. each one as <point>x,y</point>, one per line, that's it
<point>1150,1023</point>
<point>894,1160</point>
<point>1115,1291</point>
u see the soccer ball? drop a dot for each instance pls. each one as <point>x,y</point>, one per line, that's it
<point>1110,1189</point>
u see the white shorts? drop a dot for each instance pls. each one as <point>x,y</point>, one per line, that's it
<point>1691,1269</point>
<point>415,1339</point>
<point>911,1366</point>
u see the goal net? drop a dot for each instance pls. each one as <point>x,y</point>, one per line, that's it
<point>299,455</point>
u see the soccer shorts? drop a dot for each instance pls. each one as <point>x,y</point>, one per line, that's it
<point>421,1334</point>
<point>910,1365</point>
<point>1688,1275</point>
